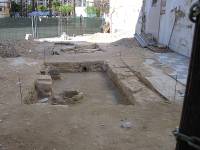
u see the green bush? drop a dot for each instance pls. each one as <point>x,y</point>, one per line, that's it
<point>90,10</point>
<point>41,8</point>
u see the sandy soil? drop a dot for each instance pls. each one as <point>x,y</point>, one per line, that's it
<point>96,87</point>
<point>87,125</point>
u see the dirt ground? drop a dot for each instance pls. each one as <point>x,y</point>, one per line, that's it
<point>90,124</point>
<point>96,86</point>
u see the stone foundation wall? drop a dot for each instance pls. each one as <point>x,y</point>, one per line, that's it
<point>120,81</point>
<point>130,86</point>
<point>117,75</point>
<point>78,66</point>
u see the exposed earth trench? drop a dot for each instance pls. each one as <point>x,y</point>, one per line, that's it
<point>112,95</point>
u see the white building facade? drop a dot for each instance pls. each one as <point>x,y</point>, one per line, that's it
<point>124,15</point>
<point>168,22</point>
<point>81,6</point>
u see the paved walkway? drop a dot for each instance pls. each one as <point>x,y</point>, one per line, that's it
<point>166,72</point>
<point>179,65</point>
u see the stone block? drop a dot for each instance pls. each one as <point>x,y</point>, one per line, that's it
<point>44,86</point>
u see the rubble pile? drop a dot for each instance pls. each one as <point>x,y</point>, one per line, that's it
<point>7,50</point>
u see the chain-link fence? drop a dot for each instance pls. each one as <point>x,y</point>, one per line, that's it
<point>17,28</point>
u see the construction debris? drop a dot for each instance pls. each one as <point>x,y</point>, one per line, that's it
<point>141,40</point>
<point>126,124</point>
<point>148,41</point>
<point>44,100</point>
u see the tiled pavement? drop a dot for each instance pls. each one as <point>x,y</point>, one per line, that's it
<point>179,65</point>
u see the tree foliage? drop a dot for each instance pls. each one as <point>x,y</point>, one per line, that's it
<point>15,7</point>
<point>29,8</point>
<point>66,9</point>
<point>56,5</point>
<point>93,11</point>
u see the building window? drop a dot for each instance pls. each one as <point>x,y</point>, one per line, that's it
<point>154,2</point>
<point>1,9</point>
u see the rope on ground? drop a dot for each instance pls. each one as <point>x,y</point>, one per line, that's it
<point>192,141</point>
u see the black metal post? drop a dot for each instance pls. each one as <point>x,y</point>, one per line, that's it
<point>21,8</point>
<point>190,121</point>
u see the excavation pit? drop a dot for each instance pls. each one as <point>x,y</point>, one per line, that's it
<point>95,86</point>
<point>96,81</point>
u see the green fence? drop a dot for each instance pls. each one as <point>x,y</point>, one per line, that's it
<point>17,28</point>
